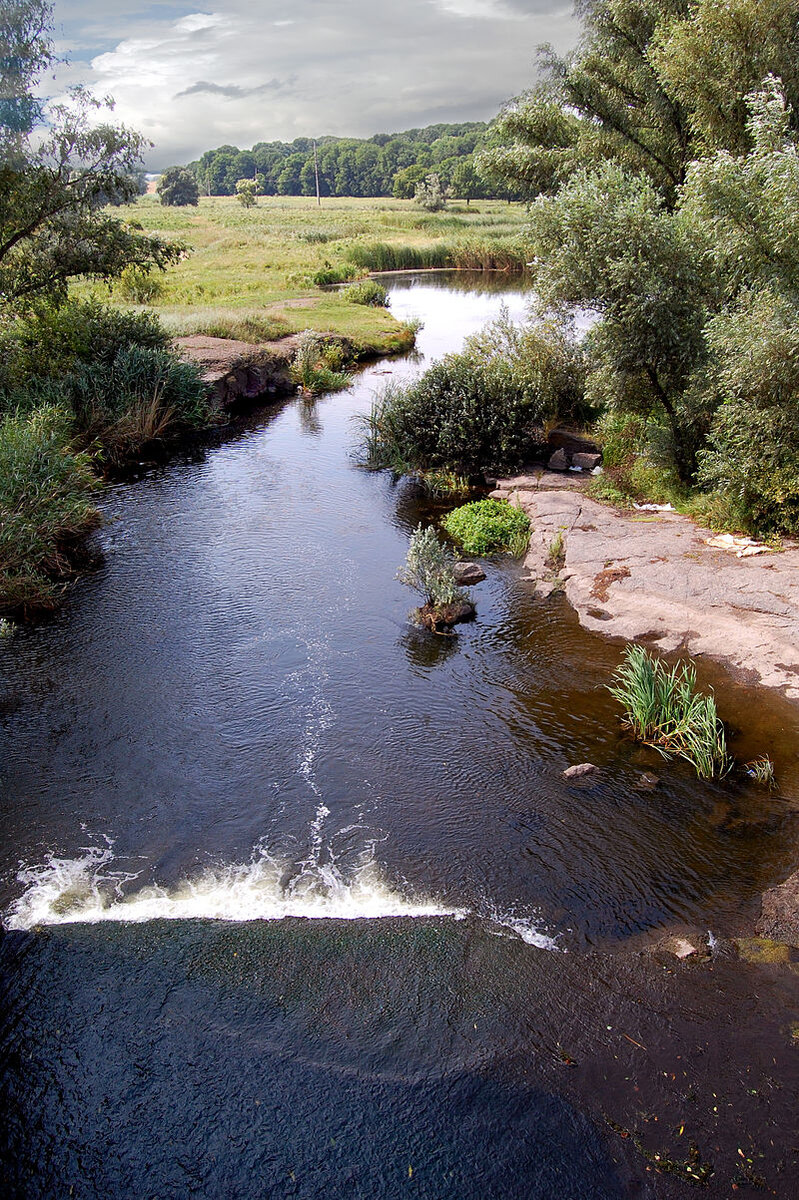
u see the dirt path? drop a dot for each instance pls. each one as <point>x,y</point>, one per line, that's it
<point>652,577</point>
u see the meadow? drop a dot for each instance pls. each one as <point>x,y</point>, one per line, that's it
<point>255,273</point>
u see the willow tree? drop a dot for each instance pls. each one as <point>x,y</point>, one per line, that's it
<point>55,188</point>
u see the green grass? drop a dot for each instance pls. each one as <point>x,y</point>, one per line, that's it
<point>663,709</point>
<point>46,506</point>
<point>259,264</point>
<point>488,526</point>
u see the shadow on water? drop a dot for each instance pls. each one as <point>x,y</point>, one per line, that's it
<point>232,725</point>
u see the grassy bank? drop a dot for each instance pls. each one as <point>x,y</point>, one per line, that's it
<point>251,272</point>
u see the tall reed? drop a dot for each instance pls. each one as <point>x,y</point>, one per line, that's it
<point>664,710</point>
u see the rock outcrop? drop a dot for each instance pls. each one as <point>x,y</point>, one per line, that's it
<point>651,577</point>
<point>241,371</point>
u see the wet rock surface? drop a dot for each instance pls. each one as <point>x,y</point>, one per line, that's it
<point>439,617</point>
<point>468,573</point>
<point>779,913</point>
<point>651,577</point>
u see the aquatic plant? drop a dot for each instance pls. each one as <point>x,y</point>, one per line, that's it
<point>663,709</point>
<point>430,569</point>
<point>314,367</point>
<point>487,526</point>
<point>761,770</point>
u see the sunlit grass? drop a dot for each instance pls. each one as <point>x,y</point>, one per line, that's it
<point>257,265</point>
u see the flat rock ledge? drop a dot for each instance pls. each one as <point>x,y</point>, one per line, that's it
<point>241,371</point>
<point>650,577</point>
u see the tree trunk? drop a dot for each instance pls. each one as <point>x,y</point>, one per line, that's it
<point>684,453</point>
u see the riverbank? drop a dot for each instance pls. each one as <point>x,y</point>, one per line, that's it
<point>653,577</point>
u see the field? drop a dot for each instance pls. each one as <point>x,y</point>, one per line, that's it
<point>250,272</point>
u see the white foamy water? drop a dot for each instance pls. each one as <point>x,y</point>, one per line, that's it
<point>89,889</point>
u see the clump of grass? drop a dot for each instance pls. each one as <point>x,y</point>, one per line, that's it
<point>6,628</point>
<point>556,553</point>
<point>488,526</point>
<point>318,237</point>
<point>138,396</point>
<point>443,484</point>
<point>46,506</point>
<point>430,569</point>
<point>663,709</point>
<point>762,771</point>
<point>328,276</point>
<point>368,291</point>
<point>314,367</point>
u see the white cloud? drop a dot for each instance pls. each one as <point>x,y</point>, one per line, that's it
<point>192,80</point>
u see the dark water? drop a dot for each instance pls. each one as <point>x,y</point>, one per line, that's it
<point>231,728</point>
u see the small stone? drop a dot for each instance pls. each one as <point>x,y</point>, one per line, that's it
<point>646,782</point>
<point>576,772</point>
<point>558,461</point>
<point>679,947</point>
<point>586,461</point>
<point>468,573</point>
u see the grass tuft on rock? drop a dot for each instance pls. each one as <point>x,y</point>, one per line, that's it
<point>663,709</point>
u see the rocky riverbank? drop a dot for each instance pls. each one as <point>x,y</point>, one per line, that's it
<point>652,577</point>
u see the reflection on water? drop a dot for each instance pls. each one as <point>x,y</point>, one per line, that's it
<point>233,721</point>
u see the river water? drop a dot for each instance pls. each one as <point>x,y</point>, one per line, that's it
<point>296,899</point>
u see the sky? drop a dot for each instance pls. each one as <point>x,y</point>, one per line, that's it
<point>191,77</point>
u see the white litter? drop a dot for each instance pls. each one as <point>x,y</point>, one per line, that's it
<point>742,547</point>
<point>655,507</point>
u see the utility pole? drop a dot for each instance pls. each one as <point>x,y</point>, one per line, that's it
<point>316,173</point>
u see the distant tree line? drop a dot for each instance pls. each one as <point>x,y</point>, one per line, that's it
<point>388,164</point>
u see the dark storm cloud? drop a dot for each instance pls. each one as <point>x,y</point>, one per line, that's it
<point>190,78</point>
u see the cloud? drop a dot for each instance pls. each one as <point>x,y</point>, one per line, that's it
<point>191,79</point>
<point>232,90</point>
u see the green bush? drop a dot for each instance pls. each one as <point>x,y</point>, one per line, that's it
<point>753,457</point>
<point>482,409</point>
<point>488,526</point>
<point>663,709</point>
<point>368,292</point>
<point>49,343</point>
<point>430,569</point>
<point>139,286</point>
<point>135,398</point>
<point>45,501</point>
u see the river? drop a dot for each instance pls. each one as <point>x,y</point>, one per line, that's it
<point>296,899</point>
